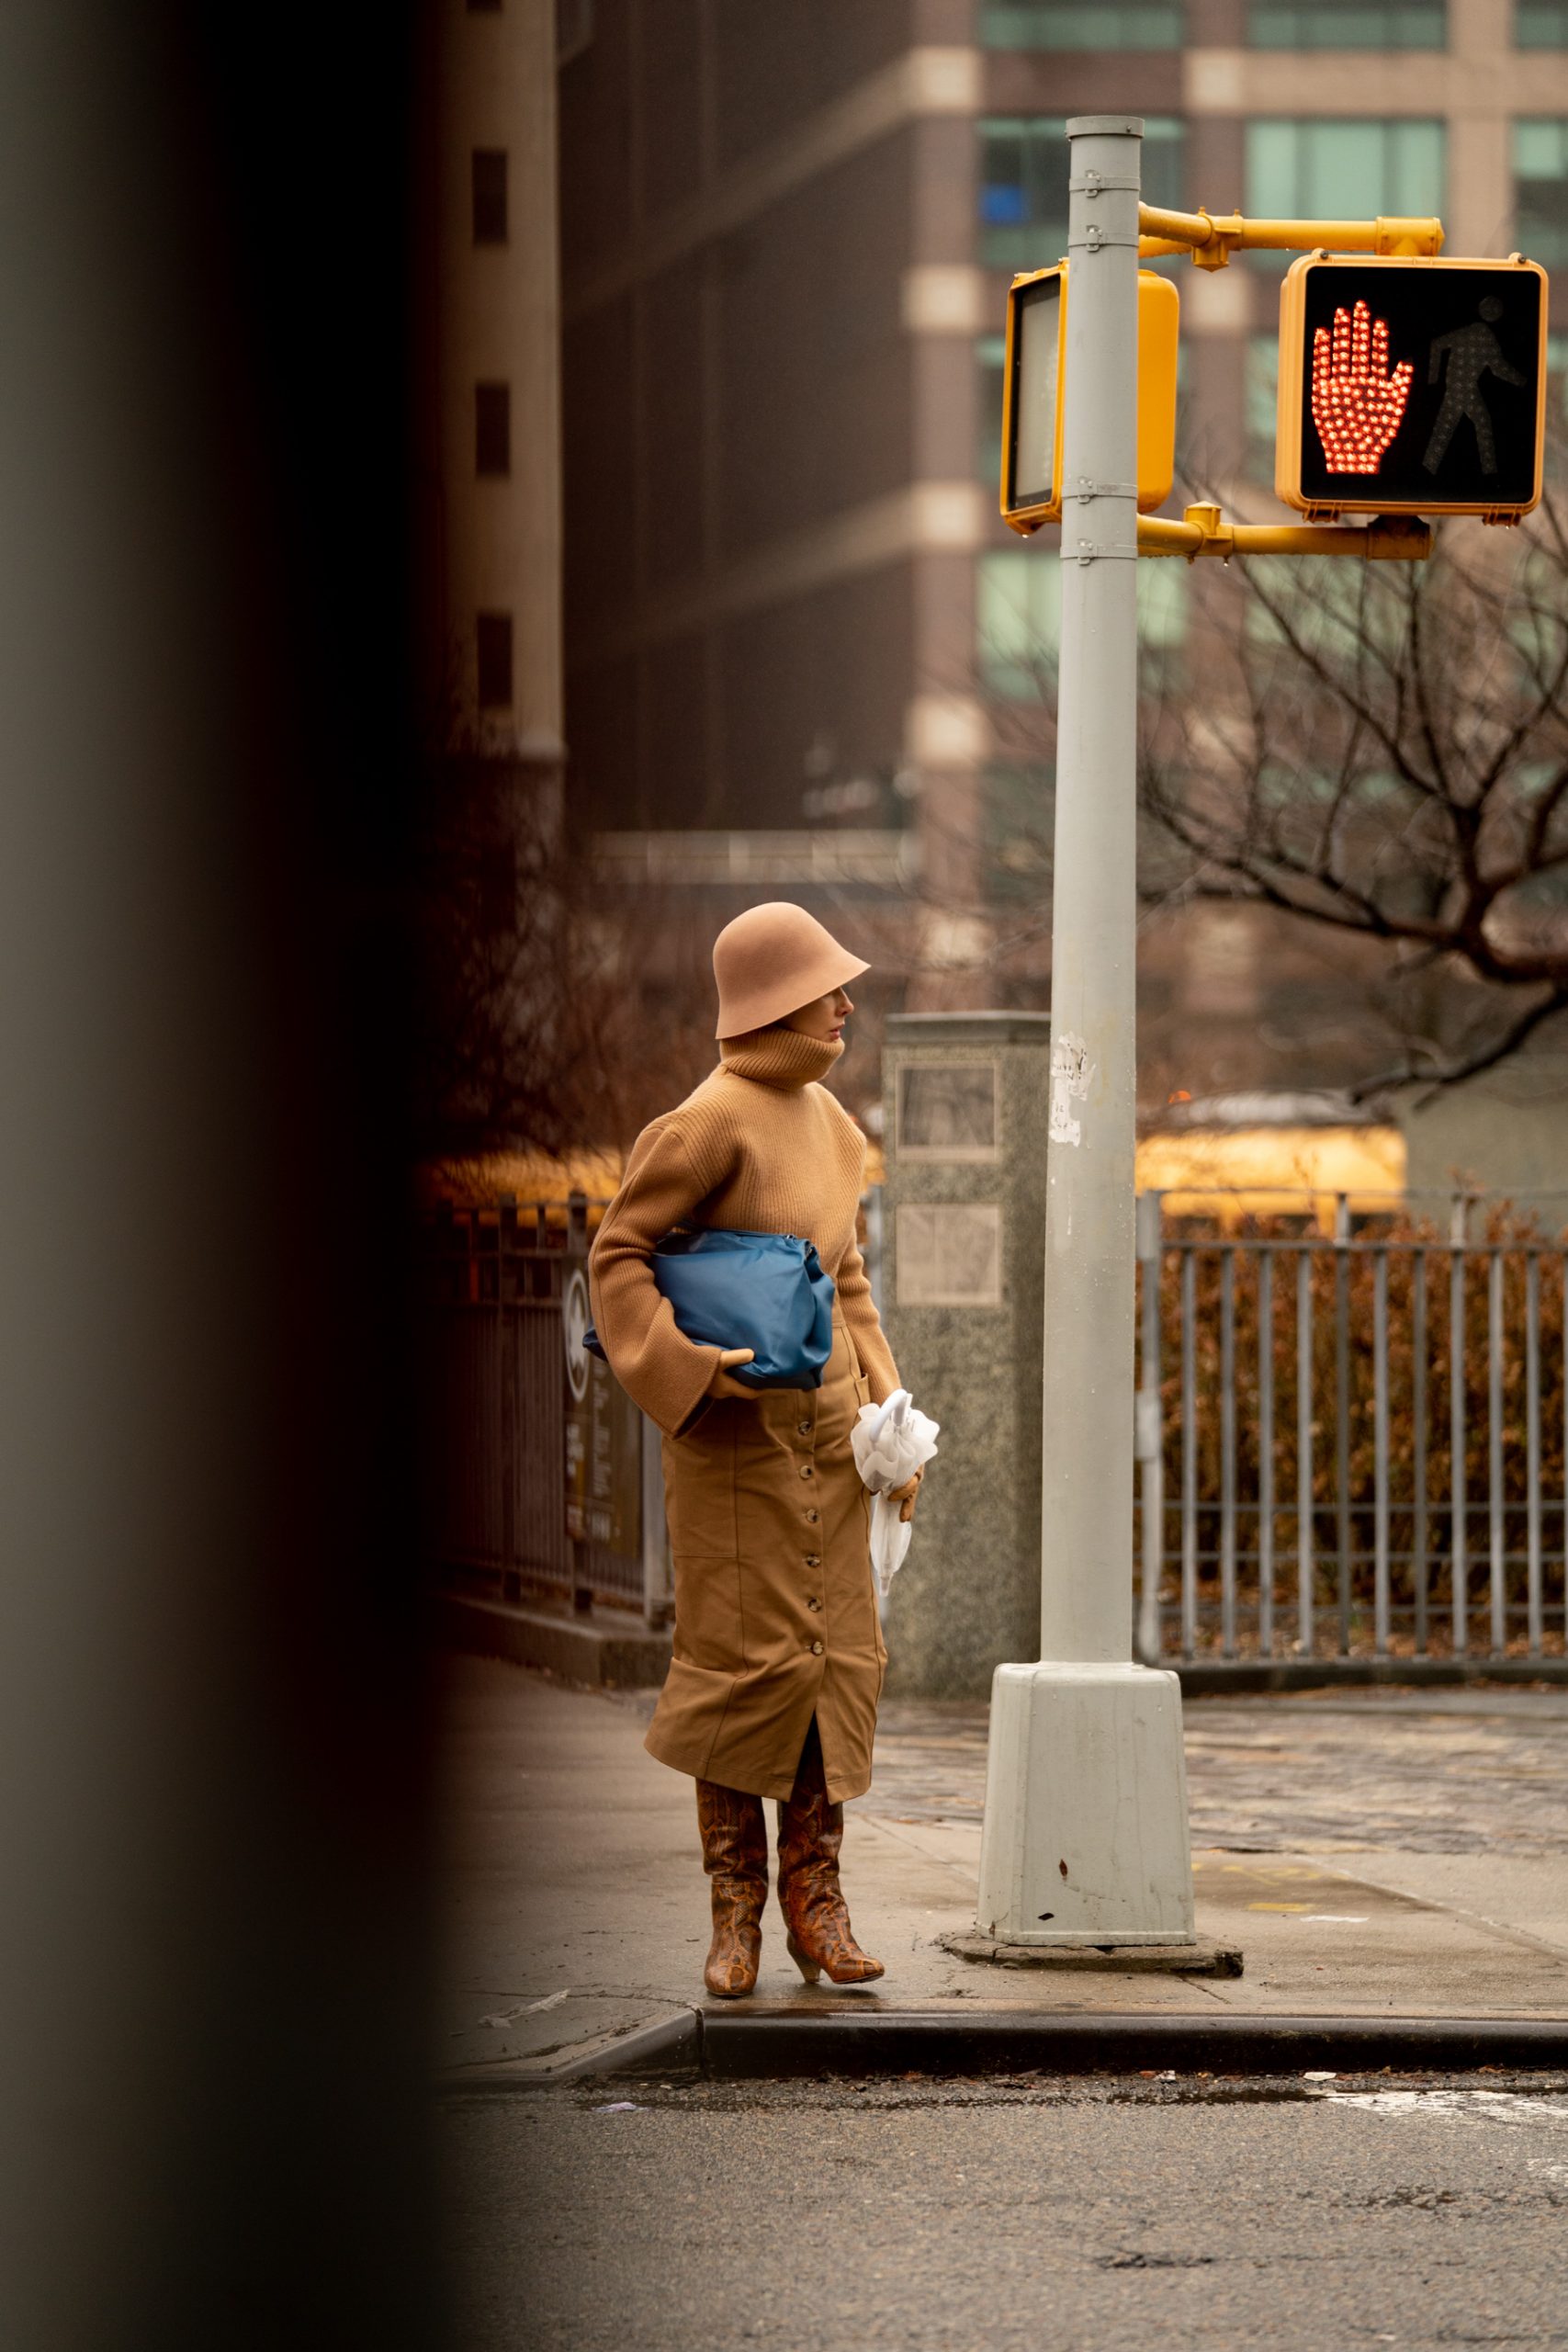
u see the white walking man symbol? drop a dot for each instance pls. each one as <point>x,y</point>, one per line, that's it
<point>1471,352</point>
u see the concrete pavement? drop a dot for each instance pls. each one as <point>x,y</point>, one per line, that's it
<point>1376,1854</point>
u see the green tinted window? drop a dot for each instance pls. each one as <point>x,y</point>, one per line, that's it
<point>1023,184</point>
<point>1018,609</point>
<point>1339,169</point>
<point>1541,24</point>
<point>1081,24</point>
<point>1349,24</point>
<point>1262,389</point>
<point>990,359</point>
<point>1018,620</point>
<point>1541,190</point>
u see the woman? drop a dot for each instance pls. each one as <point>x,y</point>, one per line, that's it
<point>778,1655</point>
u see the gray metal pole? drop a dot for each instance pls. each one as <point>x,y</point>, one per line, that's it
<point>1085,1578</point>
<point>1085,1839</point>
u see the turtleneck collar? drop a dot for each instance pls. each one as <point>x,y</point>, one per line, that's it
<point>780,1057</point>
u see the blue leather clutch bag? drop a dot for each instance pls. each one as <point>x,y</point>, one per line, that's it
<point>763,1291</point>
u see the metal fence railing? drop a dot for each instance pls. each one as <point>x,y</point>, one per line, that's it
<point>496,1405</point>
<point>1352,1444</point>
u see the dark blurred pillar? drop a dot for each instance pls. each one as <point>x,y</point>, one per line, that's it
<point>213,1727</point>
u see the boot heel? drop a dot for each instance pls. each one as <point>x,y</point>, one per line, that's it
<point>808,1966</point>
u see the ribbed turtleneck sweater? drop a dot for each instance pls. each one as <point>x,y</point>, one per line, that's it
<point>760,1147</point>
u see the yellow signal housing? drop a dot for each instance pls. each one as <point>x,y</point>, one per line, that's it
<point>1410,385</point>
<point>1034,374</point>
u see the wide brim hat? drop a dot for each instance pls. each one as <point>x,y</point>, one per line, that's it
<point>771,961</point>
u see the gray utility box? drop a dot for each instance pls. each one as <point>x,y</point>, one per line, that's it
<point>966,1098</point>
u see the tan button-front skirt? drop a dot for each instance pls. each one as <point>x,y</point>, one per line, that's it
<point>775,1607</point>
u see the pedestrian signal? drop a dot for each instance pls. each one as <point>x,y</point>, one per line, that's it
<point>1411,386</point>
<point>1035,375</point>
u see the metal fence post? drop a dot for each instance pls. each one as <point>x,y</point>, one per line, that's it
<point>658,1596</point>
<point>1227,1452</point>
<point>1306,1565</point>
<point>508,1391</point>
<point>1265,1450</point>
<point>1189,1452</point>
<point>1457,1533</point>
<point>1151,1428</point>
<point>1380,1594</point>
<point>1342,1409</point>
<point>1419,1538</point>
<point>1534,1611</point>
<point>577,1250</point>
<point>1498,1563</point>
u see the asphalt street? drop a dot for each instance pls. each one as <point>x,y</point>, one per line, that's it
<point>939,2217</point>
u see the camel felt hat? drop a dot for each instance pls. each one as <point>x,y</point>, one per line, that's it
<point>772,960</point>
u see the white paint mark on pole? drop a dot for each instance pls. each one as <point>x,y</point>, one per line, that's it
<point>1071,1071</point>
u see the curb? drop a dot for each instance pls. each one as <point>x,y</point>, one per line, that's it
<point>665,2041</point>
<point>1115,2042</point>
<point>725,2046</point>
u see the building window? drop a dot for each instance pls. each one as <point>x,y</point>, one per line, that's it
<point>1080,24</point>
<point>490,195</point>
<point>1023,184</point>
<point>1262,392</point>
<point>492,428</point>
<point>494,645</point>
<point>1540,191</point>
<point>1019,809</point>
<point>1017,614</point>
<point>1017,610</point>
<point>1334,169</point>
<point>1556,456</point>
<point>1349,24</point>
<point>990,359</point>
<point>1541,24</point>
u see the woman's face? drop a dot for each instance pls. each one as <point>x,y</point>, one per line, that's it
<point>824,1017</point>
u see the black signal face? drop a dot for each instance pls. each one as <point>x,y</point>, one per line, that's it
<point>1412,385</point>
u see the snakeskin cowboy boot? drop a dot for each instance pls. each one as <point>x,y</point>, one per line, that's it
<point>735,1856</point>
<point>810,1834</point>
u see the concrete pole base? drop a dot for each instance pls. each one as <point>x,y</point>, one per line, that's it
<point>1085,1839</point>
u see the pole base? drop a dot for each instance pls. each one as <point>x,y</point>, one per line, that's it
<point>1085,1839</point>
<point>1204,1958</point>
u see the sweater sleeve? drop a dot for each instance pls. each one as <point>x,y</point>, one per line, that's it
<point>657,1366</point>
<point>866,1325</point>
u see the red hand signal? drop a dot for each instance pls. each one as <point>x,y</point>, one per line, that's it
<point>1356,405</point>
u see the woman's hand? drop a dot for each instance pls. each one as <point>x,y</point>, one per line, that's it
<point>720,1384</point>
<point>908,1495</point>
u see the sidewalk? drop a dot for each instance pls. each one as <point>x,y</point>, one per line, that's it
<point>1378,1855</point>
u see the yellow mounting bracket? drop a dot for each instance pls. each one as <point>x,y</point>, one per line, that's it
<point>1212,238</point>
<point>1203,530</point>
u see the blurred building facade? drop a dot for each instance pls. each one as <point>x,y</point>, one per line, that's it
<point>490,463</point>
<point>803,656</point>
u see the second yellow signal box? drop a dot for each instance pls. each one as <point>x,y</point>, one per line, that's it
<point>1411,386</point>
<point>1033,380</point>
